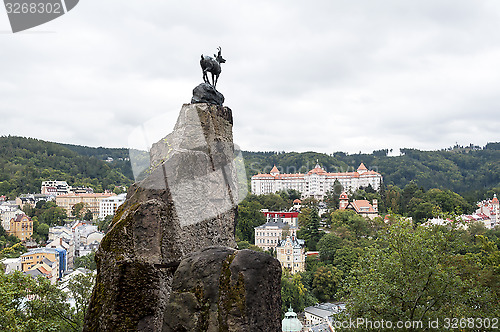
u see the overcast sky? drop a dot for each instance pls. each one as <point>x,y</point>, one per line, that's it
<point>319,76</point>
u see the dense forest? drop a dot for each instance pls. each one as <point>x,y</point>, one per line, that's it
<point>470,171</point>
<point>26,162</point>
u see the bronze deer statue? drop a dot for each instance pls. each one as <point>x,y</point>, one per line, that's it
<point>209,64</point>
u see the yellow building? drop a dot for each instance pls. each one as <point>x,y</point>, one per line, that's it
<point>291,254</point>
<point>91,201</point>
<point>37,256</point>
<point>21,226</point>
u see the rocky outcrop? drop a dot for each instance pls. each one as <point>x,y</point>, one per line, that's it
<point>187,202</point>
<point>222,289</point>
<point>206,93</point>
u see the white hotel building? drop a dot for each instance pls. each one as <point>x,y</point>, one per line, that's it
<point>315,183</point>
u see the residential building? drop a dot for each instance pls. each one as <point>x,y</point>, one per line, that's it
<point>64,232</point>
<point>7,213</point>
<point>11,264</point>
<point>68,245</point>
<point>360,206</point>
<point>108,206</point>
<point>32,199</point>
<point>268,235</point>
<point>55,188</point>
<point>316,183</point>
<point>291,254</point>
<point>35,258</point>
<point>91,201</point>
<point>321,313</point>
<point>47,268</point>
<point>489,212</point>
<point>87,238</point>
<point>291,218</point>
<point>21,226</point>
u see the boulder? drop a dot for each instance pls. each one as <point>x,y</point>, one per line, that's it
<point>206,93</point>
<point>222,289</point>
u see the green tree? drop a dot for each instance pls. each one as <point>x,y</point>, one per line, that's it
<point>103,224</point>
<point>27,305</point>
<point>355,224</point>
<point>311,232</point>
<point>294,293</point>
<point>326,283</point>
<point>249,217</point>
<point>78,210</point>
<point>88,215</point>
<point>414,274</point>
<point>87,261</point>
<point>328,246</point>
<point>247,245</point>
<point>80,289</point>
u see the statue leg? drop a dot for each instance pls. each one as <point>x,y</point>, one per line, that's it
<point>205,77</point>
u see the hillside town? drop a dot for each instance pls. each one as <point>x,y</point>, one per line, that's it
<point>84,211</point>
<point>55,258</point>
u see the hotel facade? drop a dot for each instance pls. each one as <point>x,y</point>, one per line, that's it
<point>315,183</point>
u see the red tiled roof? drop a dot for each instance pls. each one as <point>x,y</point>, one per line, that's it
<point>362,167</point>
<point>96,195</point>
<point>274,170</point>
<point>362,206</point>
<point>20,217</point>
<point>320,171</point>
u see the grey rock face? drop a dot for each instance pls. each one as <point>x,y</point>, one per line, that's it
<point>187,202</point>
<point>206,93</point>
<point>222,289</point>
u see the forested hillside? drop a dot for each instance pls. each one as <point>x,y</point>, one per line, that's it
<point>26,162</point>
<point>464,170</point>
<point>470,171</point>
<point>120,156</point>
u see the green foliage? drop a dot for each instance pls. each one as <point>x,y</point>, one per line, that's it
<point>249,217</point>
<point>87,262</point>
<point>26,162</point>
<point>103,224</point>
<point>28,304</point>
<point>294,293</point>
<point>78,210</point>
<point>88,215</point>
<point>351,222</point>
<point>310,232</point>
<point>7,240</point>
<point>326,283</point>
<point>13,251</point>
<point>423,273</point>
<point>80,289</point>
<point>41,232</point>
<point>247,245</point>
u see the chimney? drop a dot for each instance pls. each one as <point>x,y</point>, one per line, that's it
<point>375,205</point>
